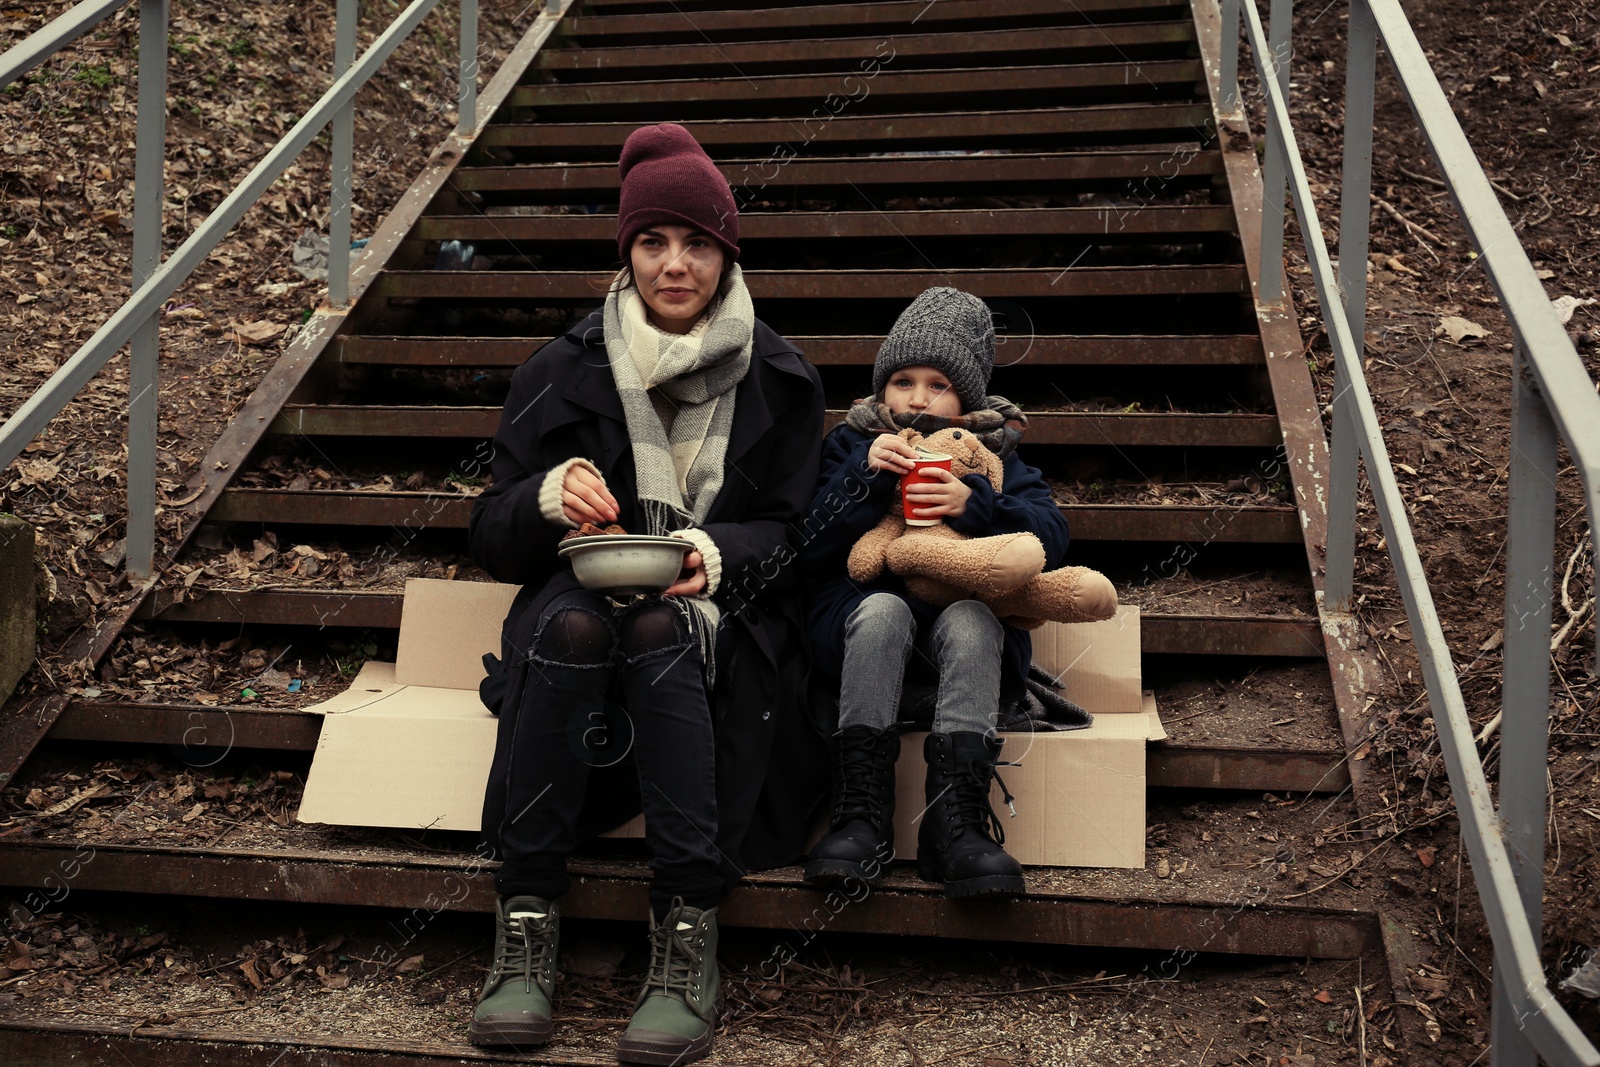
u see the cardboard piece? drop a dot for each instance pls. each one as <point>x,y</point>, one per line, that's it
<point>1079,795</point>
<point>409,744</point>
<point>1097,663</point>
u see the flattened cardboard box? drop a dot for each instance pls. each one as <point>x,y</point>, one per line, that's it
<point>409,744</point>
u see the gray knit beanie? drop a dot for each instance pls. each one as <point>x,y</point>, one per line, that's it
<point>947,330</point>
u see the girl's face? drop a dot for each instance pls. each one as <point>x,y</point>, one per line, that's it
<point>922,391</point>
<point>677,270</point>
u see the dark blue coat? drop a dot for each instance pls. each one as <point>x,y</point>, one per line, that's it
<point>850,500</point>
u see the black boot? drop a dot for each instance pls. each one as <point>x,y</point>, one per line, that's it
<point>860,841</point>
<point>959,840</point>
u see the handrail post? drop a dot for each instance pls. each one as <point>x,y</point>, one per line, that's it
<point>1355,212</point>
<point>1273,167</point>
<point>467,96</point>
<point>1228,72</point>
<point>144,346</point>
<point>346,19</point>
<point>1525,696</point>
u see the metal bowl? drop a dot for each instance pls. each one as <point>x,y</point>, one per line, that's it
<point>620,564</point>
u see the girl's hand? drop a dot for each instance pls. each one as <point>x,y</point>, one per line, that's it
<point>585,498</point>
<point>947,496</point>
<point>695,583</point>
<point>890,452</point>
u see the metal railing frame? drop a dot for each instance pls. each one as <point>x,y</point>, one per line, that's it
<point>137,322</point>
<point>1552,394</point>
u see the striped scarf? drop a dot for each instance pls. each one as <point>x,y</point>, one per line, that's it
<point>679,473</point>
<point>1000,424</point>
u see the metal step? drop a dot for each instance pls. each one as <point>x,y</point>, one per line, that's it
<point>1166,221</point>
<point>777,8</point>
<point>573,286</point>
<point>1202,635</point>
<point>1176,430</point>
<point>1090,522</point>
<point>896,16</point>
<point>1054,350</point>
<point>1168,764</point>
<point>966,89</point>
<point>786,143</point>
<point>1045,172</point>
<point>858,55</point>
<point>1139,914</point>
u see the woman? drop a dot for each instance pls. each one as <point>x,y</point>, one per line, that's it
<point>673,410</point>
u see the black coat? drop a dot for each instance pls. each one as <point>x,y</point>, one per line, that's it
<point>771,748</point>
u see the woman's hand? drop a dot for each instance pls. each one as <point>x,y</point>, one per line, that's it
<point>694,583</point>
<point>585,498</point>
<point>890,452</point>
<point>946,496</point>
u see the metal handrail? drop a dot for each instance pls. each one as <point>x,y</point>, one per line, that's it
<point>136,322</point>
<point>49,39</point>
<point>1551,391</point>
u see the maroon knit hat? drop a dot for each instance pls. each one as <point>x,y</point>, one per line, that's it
<point>667,179</point>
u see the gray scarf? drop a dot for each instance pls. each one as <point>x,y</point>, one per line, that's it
<point>698,373</point>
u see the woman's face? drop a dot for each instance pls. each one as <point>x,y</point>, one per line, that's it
<point>922,391</point>
<point>677,270</point>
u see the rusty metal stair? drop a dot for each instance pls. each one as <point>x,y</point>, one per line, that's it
<point>1059,160</point>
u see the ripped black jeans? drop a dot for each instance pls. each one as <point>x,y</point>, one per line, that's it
<point>565,732</point>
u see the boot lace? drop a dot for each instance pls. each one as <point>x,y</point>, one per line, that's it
<point>527,946</point>
<point>675,957</point>
<point>861,791</point>
<point>970,805</point>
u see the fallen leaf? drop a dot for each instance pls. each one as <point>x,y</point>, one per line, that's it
<point>38,471</point>
<point>1458,329</point>
<point>1566,305</point>
<point>77,798</point>
<point>1323,997</point>
<point>1394,264</point>
<point>248,967</point>
<point>1426,855</point>
<point>257,333</point>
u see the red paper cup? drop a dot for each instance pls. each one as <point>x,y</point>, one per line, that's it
<point>924,461</point>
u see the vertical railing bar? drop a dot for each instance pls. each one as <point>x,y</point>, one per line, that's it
<point>1229,69</point>
<point>467,97</point>
<point>1277,63</point>
<point>144,346</point>
<point>347,19</point>
<point>1525,692</point>
<point>1355,213</point>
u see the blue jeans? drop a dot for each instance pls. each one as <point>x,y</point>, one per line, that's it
<point>961,649</point>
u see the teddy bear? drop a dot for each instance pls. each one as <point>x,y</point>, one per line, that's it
<point>1005,571</point>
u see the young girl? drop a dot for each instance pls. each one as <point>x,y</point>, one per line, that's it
<point>673,410</point>
<point>932,372</point>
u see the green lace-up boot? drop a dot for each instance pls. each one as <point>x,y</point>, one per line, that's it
<point>676,1014</point>
<point>515,1006</point>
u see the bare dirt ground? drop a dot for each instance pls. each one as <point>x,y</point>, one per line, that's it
<point>1524,81</point>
